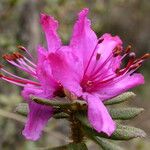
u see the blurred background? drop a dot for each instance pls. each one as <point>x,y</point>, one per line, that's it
<point>19,25</point>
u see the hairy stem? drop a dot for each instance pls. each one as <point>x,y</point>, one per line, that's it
<point>76,129</point>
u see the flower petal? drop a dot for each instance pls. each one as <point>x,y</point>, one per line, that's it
<point>119,86</point>
<point>105,49</point>
<point>38,115</point>
<point>31,90</point>
<point>67,69</point>
<point>43,71</point>
<point>83,39</point>
<point>98,115</point>
<point>50,25</point>
<point>37,119</point>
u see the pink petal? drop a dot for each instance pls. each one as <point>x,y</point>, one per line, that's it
<point>98,115</point>
<point>119,86</point>
<point>105,49</point>
<point>50,25</point>
<point>67,69</point>
<point>44,74</point>
<point>37,119</point>
<point>31,90</point>
<point>83,39</point>
<point>38,115</point>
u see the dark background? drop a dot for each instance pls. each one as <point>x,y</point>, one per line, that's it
<point>19,25</point>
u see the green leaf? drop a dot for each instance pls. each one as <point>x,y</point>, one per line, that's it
<point>71,146</point>
<point>77,146</point>
<point>53,102</point>
<point>127,132</point>
<point>124,113</point>
<point>106,144</point>
<point>22,109</point>
<point>121,133</point>
<point>61,104</point>
<point>60,115</point>
<point>121,98</point>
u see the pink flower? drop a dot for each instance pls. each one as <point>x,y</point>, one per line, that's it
<point>43,84</point>
<point>90,68</point>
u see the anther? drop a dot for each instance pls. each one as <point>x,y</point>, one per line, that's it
<point>117,70</point>
<point>117,51</point>
<point>17,55</point>
<point>1,66</point>
<point>128,49</point>
<point>100,40</point>
<point>21,48</point>
<point>7,57</point>
<point>146,56</point>
<point>1,75</point>
<point>98,56</point>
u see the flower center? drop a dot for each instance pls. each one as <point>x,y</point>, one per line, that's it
<point>102,74</point>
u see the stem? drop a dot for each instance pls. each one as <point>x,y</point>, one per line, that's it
<point>76,129</point>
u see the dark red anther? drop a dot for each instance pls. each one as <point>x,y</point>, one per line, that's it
<point>11,57</point>
<point>128,49</point>
<point>7,57</point>
<point>21,48</point>
<point>1,66</point>
<point>145,56</point>
<point>17,55</point>
<point>1,75</point>
<point>100,40</point>
<point>117,70</point>
<point>117,51</point>
<point>98,56</point>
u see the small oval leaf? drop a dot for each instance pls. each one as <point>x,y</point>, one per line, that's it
<point>60,115</point>
<point>119,99</point>
<point>107,144</point>
<point>71,146</point>
<point>127,132</point>
<point>77,146</point>
<point>124,113</point>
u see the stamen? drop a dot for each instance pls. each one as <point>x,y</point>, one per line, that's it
<point>1,75</point>
<point>17,55</point>
<point>34,65</point>
<point>20,81</point>
<point>1,66</point>
<point>8,57</point>
<point>128,49</point>
<point>21,48</point>
<point>100,40</point>
<point>12,75</point>
<point>91,58</point>
<point>146,56</point>
<point>98,56</point>
<point>25,65</point>
<point>11,57</point>
<point>95,72</point>
<point>132,55</point>
<point>117,51</point>
<point>24,49</point>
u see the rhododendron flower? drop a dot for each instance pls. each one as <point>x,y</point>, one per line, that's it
<point>89,68</point>
<point>43,85</point>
